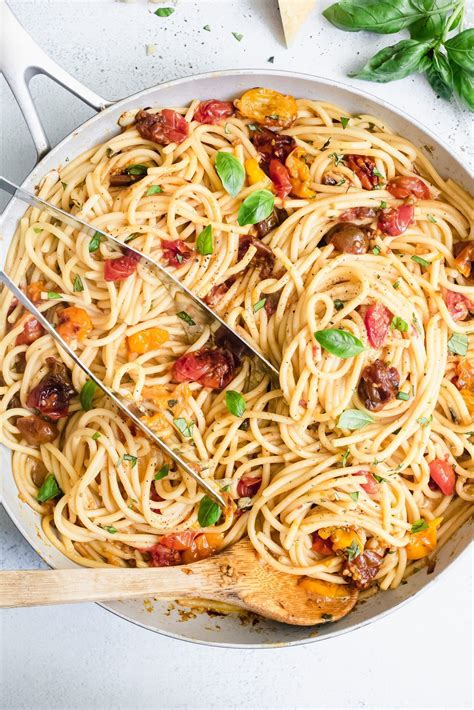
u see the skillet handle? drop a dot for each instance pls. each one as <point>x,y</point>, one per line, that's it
<point>21,60</point>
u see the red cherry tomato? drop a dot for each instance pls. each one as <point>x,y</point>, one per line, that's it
<point>178,540</point>
<point>404,186</point>
<point>121,268</point>
<point>371,487</point>
<point>213,111</point>
<point>377,323</point>
<point>280,177</point>
<point>442,473</point>
<point>211,368</point>
<point>175,252</point>
<point>162,556</point>
<point>164,127</point>
<point>247,487</point>
<point>324,547</point>
<point>458,305</point>
<point>363,167</point>
<point>395,220</point>
<point>32,330</point>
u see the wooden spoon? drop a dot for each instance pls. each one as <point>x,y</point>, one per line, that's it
<point>237,576</point>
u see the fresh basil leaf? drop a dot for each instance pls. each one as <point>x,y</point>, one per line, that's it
<point>164,11</point>
<point>96,435</point>
<point>77,285</point>
<point>344,121</point>
<point>235,403</point>
<point>339,342</point>
<point>237,36</point>
<point>419,260</point>
<point>186,428</point>
<point>49,489</point>
<point>419,525</point>
<point>354,419</point>
<point>353,551</point>
<point>464,86</point>
<point>458,344</point>
<point>137,169</point>
<point>163,472</point>
<point>430,26</point>
<point>354,496</point>
<point>53,295</point>
<point>380,16</point>
<point>460,49</point>
<point>404,396</point>
<point>231,172</point>
<point>440,76</point>
<point>379,479</point>
<point>208,512</point>
<point>399,324</point>
<point>394,62</point>
<point>204,243</point>
<point>110,529</point>
<point>87,394</point>
<point>153,190</point>
<point>95,242</point>
<point>186,317</point>
<point>256,207</point>
<point>260,304</point>
<point>133,459</point>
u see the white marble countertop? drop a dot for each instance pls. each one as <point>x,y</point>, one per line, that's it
<point>84,657</point>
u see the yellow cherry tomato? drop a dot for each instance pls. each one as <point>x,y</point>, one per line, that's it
<point>74,323</point>
<point>268,107</point>
<point>254,172</point>
<point>146,340</point>
<point>423,542</point>
<point>323,588</point>
<point>299,174</point>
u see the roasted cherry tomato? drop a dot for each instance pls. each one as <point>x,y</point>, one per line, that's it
<point>34,291</point>
<point>164,127</point>
<point>371,486</point>
<point>377,323</point>
<point>213,111</point>
<point>175,251</point>
<point>458,304</point>
<point>363,167</point>
<point>442,473</point>
<point>32,330</point>
<point>203,546</point>
<point>395,220</point>
<point>146,340</point>
<point>52,393</point>
<point>324,547</point>
<point>212,368</point>
<point>280,178</point>
<point>268,107</point>
<point>423,542</point>
<point>162,556</point>
<point>464,261</point>
<point>299,174</point>
<point>74,323</point>
<point>248,487</point>
<point>179,540</point>
<point>254,172</point>
<point>404,186</point>
<point>121,268</point>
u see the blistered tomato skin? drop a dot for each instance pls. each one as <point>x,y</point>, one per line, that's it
<point>213,111</point>
<point>268,107</point>
<point>458,305</point>
<point>404,186</point>
<point>377,323</point>
<point>442,473</point>
<point>164,127</point>
<point>395,220</point>
<point>280,178</point>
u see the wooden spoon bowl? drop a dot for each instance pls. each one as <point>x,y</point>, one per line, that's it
<point>236,576</point>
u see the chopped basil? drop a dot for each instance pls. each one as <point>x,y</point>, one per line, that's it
<point>432,219</point>
<point>164,11</point>
<point>377,172</point>
<point>382,205</point>
<point>49,489</point>
<point>424,421</point>
<point>339,342</point>
<point>235,403</point>
<point>376,251</point>
<point>419,525</point>
<point>326,144</point>
<point>179,258</point>
<point>137,169</point>
<point>399,324</point>
<point>458,343</point>
<point>337,159</point>
<point>354,496</point>
<point>53,295</point>
<point>338,304</point>
<point>109,152</point>
<point>231,172</point>
<point>110,529</point>
<point>96,435</point>
<point>153,190</point>
<point>344,121</point>
<point>379,479</point>
<point>271,60</point>
<point>37,230</point>
<point>95,242</point>
<point>207,28</point>
<point>204,243</point>
<point>87,394</point>
<point>186,428</point>
<point>186,317</point>
<point>260,304</point>
<point>131,237</point>
<point>396,284</point>
<point>256,207</point>
<point>163,472</point>
<point>64,184</point>
<point>419,260</point>
<point>403,395</point>
<point>77,284</point>
<point>237,36</point>
<point>345,457</point>
<point>133,459</point>
<point>208,512</point>
<point>353,551</point>
<point>354,419</point>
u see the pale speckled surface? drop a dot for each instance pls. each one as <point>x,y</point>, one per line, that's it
<point>84,657</point>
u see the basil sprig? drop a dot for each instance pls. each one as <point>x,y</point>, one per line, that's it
<point>231,172</point>
<point>235,403</point>
<point>354,419</point>
<point>204,243</point>
<point>87,395</point>
<point>448,61</point>
<point>208,512</point>
<point>339,342</point>
<point>50,489</point>
<point>256,207</point>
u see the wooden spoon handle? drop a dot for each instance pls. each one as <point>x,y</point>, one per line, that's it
<point>30,588</point>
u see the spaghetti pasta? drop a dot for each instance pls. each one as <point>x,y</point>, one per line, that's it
<point>356,282</point>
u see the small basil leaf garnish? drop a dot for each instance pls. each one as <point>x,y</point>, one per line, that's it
<point>419,525</point>
<point>87,395</point>
<point>186,317</point>
<point>204,243</point>
<point>133,459</point>
<point>164,11</point>
<point>354,419</point>
<point>256,207</point>
<point>153,190</point>
<point>339,342</point>
<point>49,489</point>
<point>231,172</point>
<point>458,344</point>
<point>95,242</point>
<point>183,426</point>
<point>208,512</point>
<point>137,169</point>
<point>235,403</point>
<point>77,285</point>
<point>163,472</point>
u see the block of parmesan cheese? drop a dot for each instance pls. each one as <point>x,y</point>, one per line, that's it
<point>294,13</point>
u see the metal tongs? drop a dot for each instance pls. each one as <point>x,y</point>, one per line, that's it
<point>169,281</point>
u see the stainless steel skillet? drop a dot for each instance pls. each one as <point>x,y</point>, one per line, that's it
<point>223,85</point>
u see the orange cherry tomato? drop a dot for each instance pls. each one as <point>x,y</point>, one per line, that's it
<point>34,291</point>
<point>321,588</point>
<point>146,340</point>
<point>254,172</point>
<point>268,107</point>
<point>465,382</point>
<point>299,174</point>
<point>74,323</point>
<point>203,546</point>
<point>423,542</point>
